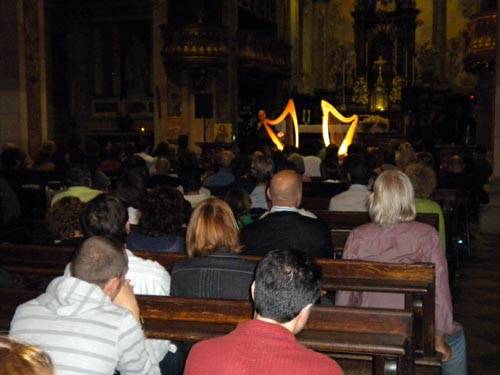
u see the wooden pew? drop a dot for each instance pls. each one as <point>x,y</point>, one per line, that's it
<point>416,281</point>
<point>383,336</point>
<point>341,224</point>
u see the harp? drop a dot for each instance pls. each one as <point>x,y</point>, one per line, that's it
<point>328,109</point>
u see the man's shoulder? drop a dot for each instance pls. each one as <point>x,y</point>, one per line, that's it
<point>142,264</point>
<point>321,364</point>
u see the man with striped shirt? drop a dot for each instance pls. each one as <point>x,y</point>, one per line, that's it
<point>88,322</point>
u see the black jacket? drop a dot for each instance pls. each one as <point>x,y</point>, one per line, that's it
<point>287,230</point>
<point>219,275</point>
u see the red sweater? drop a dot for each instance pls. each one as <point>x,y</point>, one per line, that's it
<point>260,348</point>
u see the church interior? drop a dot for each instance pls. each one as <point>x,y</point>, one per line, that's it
<point>250,79</point>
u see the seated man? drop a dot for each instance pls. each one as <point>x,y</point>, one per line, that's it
<point>89,322</point>
<point>78,180</point>
<point>107,216</point>
<point>224,175</point>
<point>285,225</point>
<point>286,286</point>
<point>356,197</point>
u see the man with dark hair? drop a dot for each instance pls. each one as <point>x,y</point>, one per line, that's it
<point>356,197</point>
<point>107,216</point>
<point>286,286</point>
<point>286,225</point>
<point>78,181</point>
<point>89,322</point>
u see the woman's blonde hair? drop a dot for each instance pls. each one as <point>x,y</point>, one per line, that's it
<point>392,200</point>
<point>212,226</point>
<point>20,359</point>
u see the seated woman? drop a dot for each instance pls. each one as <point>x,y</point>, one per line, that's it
<point>239,201</point>
<point>394,236</point>
<point>160,227</point>
<point>423,179</point>
<point>17,358</point>
<point>63,221</point>
<point>213,268</point>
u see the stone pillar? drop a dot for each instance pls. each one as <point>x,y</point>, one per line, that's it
<point>490,214</point>
<point>160,14</point>
<point>496,128</point>
<point>439,35</point>
<point>10,118</point>
<point>32,69</point>
<point>306,79</point>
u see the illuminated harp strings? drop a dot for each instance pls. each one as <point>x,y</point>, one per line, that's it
<point>289,110</point>
<point>328,109</point>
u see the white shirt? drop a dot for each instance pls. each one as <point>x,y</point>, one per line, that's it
<point>300,211</point>
<point>312,166</point>
<point>258,197</point>
<point>353,199</point>
<point>196,199</point>
<point>149,278</point>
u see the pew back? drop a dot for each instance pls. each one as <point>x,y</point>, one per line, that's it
<point>384,335</point>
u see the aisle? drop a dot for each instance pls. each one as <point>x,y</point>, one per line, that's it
<point>477,305</point>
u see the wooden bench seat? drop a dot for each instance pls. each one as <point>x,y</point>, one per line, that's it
<point>416,281</point>
<point>382,335</point>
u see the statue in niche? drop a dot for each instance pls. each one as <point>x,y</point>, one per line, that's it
<point>386,6</point>
<point>136,69</point>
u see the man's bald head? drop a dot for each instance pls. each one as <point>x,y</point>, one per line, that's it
<point>286,189</point>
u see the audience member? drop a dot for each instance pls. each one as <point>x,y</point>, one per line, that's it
<point>213,268</point>
<point>355,198</point>
<point>111,160</point>
<point>312,162</point>
<point>88,322</point>
<point>63,221</point>
<point>142,151</point>
<point>286,286</point>
<point>241,167</point>
<point>185,158</point>
<point>78,182</point>
<point>224,175</point>
<point>426,159</point>
<point>394,236</point>
<point>285,226</point>
<point>423,179</point>
<point>482,171</point>
<point>239,201</point>
<point>406,156</point>
<point>262,170</point>
<point>44,160</point>
<point>106,216</point>
<point>130,188</point>
<point>20,359</point>
<point>194,193</point>
<point>10,208</point>
<point>161,175</point>
<point>160,227</point>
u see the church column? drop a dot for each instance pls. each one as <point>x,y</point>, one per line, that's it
<point>496,127</point>
<point>160,13</point>
<point>32,74</point>
<point>439,35</point>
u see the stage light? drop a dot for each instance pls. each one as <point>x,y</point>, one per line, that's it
<point>143,130</point>
<point>327,108</point>
<point>289,110</point>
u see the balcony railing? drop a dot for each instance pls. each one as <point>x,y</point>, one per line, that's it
<point>195,44</point>
<point>263,54</point>
<point>481,49</point>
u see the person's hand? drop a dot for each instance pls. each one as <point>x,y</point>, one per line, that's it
<point>126,299</point>
<point>443,348</point>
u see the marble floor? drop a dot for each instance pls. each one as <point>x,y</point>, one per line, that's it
<point>477,304</point>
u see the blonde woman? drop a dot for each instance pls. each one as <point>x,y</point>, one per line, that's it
<point>394,236</point>
<point>213,268</point>
<point>20,359</point>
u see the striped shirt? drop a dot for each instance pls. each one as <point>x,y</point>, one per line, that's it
<point>83,331</point>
